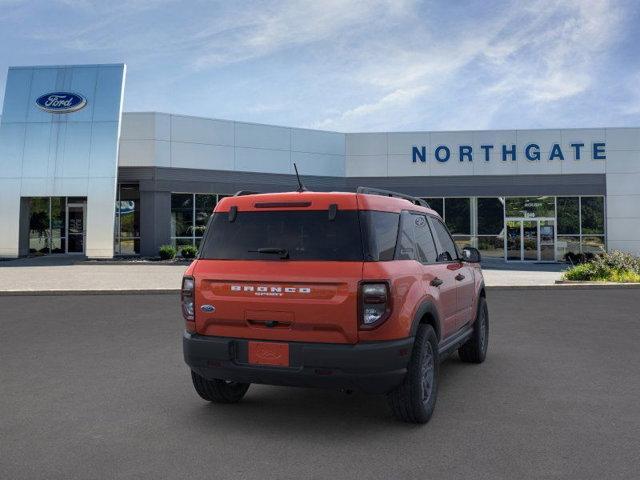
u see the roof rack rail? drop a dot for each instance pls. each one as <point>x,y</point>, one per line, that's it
<point>389,193</point>
<point>241,193</point>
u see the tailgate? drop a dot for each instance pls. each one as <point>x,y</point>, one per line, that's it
<point>274,300</point>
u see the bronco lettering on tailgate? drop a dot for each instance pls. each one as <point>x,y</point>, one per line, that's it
<point>269,290</point>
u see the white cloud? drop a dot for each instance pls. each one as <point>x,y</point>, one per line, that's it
<point>398,98</point>
<point>348,64</point>
<point>286,24</point>
<point>534,55</point>
<point>551,56</point>
<point>631,104</point>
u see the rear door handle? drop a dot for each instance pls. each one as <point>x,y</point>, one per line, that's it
<point>436,282</point>
<point>460,277</point>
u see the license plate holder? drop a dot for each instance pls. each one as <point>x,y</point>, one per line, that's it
<point>274,354</point>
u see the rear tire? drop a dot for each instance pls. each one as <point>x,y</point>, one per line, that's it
<point>415,399</point>
<point>218,391</point>
<point>475,349</point>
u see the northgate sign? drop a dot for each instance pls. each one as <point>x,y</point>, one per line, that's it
<point>531,152</point>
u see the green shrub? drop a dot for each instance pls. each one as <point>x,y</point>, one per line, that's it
<point>617,260</point>
<point>188,251</point>
<point>607,267</point>
<point>167,252</point>
<point>624,277</point>
<point>582,271</point>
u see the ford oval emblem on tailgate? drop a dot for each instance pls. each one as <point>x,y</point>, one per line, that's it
<point>208,308</point>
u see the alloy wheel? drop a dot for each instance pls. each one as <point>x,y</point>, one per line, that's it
<point>428,372</point>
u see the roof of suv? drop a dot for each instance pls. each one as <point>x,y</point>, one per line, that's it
<point>318,201</point>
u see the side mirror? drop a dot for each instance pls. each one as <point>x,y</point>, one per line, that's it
<point>471,255</point>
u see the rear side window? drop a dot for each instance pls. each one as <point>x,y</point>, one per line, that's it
<point>415,241</point>
<point>304,235</point>
<point>380,230</point>
<point>424,240</point>
<point>447,248</point>
<point>406,239</point>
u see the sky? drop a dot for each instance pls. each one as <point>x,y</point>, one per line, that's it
<point>351,65</point>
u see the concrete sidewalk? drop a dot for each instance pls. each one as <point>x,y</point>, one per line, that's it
<point>498,273</point>
<point>64,274</point>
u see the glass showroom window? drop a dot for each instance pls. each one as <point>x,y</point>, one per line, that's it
<point>127,228</point>
<point>457,216</point>
<point>436,204</point>
<point>204,206</point>
<point>189,215</point>
<point>530,207</point>
<point>581,223</point>
<point>59,223</point>
<point>490,226</point>
<point>592,218</point>
<point>568,225</point>
<point>456,213</point>
<point>47,227</point>
<point>182,205</point>
<point>39,225</point>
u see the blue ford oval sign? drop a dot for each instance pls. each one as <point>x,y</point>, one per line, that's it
<point>61,102</point>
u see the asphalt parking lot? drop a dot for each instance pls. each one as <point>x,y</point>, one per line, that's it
<point>95,387</point>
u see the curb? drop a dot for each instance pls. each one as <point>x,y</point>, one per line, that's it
<point>23,293</point>
<point>179,263</point>
<point>566,286</point>
<point>176,291</point>
<point>581,282</point>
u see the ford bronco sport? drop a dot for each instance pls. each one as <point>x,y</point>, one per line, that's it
<point>356,291</point>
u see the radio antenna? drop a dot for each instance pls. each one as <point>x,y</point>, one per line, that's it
<point>301,187</point>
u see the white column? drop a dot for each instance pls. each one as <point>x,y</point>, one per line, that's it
<point>623,189</point>
<point>9,217</point>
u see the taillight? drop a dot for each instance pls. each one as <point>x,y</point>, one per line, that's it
<point>186,296</point>
<point>375,304</point>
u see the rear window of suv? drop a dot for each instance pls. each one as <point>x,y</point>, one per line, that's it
<point>304,235</point>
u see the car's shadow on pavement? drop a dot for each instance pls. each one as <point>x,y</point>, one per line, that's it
<point>294,412</point>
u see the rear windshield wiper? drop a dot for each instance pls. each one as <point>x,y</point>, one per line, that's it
<point>283,252</point>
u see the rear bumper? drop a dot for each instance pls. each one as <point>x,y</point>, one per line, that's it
<point>372,367</point>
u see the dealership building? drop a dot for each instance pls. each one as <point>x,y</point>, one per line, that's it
<point>79,176</point>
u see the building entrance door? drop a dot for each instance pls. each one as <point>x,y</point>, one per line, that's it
<point>76,219</point>
<point>547,239</point>
<point>532,240</point>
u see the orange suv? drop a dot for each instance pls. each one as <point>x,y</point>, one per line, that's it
<point>356,291</point>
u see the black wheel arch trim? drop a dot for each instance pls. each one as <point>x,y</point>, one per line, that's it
<point>426,308</point>
<point>482,293</point>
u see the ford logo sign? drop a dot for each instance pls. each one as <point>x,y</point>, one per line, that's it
<point>61,102</point>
